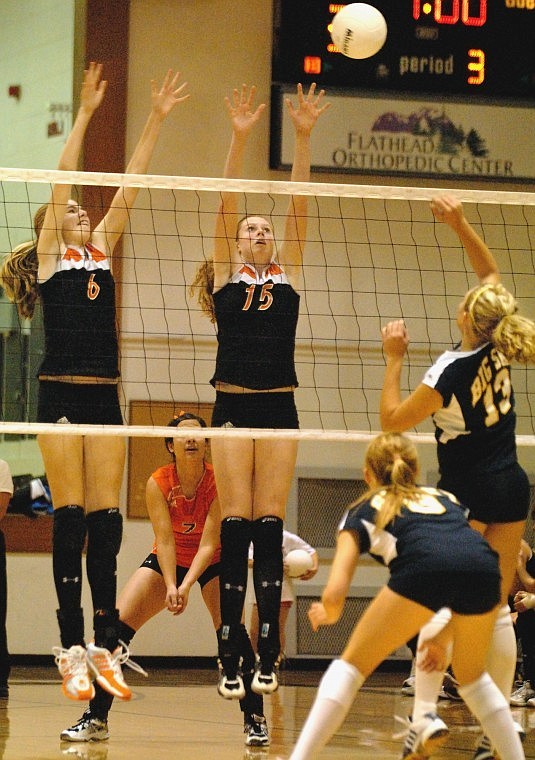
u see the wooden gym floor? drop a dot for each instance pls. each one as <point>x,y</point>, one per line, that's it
<point>178,714</point>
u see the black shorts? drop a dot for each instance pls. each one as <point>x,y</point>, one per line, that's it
<point>498,497</point>
<point>464,593</point>
<point>211,572</point>
<point>80,403</point>
<point>255,410</point>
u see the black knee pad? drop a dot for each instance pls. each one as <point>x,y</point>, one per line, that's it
<point>104,535</point>
<point>235,537</point>
<point>69,529</point>
<point>267,542</point>
<point>267,537</point>
<point>104,531</point>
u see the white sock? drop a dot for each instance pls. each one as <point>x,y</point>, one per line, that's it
<point>489,706</point>
<point>501,658</point>
<point>427,685</point>
<point>336,693</point>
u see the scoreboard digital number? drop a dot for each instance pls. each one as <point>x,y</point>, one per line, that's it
<point>458,47</point>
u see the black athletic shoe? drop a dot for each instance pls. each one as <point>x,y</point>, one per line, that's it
<point>256,731</point>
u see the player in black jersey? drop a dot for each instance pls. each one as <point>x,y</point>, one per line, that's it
<point>68,268</point>
<point>469,395</point>
<point>249,291</point>
<point>435,559</point>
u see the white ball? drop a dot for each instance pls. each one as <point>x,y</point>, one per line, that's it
<point>298,562</point>
<point>358,30</point>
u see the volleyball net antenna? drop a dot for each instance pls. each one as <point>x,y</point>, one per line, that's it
<point>371,254</point>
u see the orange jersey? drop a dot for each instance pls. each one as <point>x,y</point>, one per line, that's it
<point>188,516</point>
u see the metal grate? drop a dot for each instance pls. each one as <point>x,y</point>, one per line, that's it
<point>328,640</point>
<point>321,502</point>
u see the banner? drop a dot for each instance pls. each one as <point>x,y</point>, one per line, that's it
<point>378,135</point>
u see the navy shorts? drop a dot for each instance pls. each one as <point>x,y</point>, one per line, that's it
<point>255,410</point>
<point>465,593</point>
<point>80,403</point>
<point>499,497</point>
<point>211,572</point>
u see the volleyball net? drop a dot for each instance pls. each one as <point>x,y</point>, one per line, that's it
<point>371,254</point>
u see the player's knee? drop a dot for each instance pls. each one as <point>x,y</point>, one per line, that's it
<point>267,537</point>
<point>104,532</point>
<point>69,528</point>
<point>235,534</point>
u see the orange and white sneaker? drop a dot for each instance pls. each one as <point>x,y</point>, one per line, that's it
<point>72,664</point>
<point>106,668</point>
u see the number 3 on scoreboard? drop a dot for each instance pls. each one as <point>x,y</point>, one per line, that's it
<point>477,65</point>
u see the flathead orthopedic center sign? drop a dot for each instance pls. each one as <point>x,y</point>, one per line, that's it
<point>365,134</point>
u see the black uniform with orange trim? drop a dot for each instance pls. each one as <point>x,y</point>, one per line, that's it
<point>256,320</point>
<point>79,316</point>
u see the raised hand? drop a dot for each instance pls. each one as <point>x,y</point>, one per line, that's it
<point>308,110</point>
<point>93,88</point>
<point>395,338</point>
<point>447,209</point>
<point>165,98</point>
<point>243,115</point>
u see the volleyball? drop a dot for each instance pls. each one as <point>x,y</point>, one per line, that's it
<point>359,30</point>
<point>298,562</point>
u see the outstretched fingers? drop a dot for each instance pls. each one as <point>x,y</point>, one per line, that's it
<point>241,109</point>
<point>309,107</point>
<point>164,98</point>
<point>93,87</point>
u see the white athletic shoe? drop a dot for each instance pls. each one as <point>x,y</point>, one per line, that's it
<point>107,671</point>
<point>72,665</point>
<point>424,737</point>
<point>87,729</point>
<point>521,696</point>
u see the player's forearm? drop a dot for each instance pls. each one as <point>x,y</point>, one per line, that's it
<point>200,563</point>
<point>390,395</point>
<point>144,149</point>
<point>167,562</point>
<point>301,161</point>
<point>481,259</point>
<point>68,160</point>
